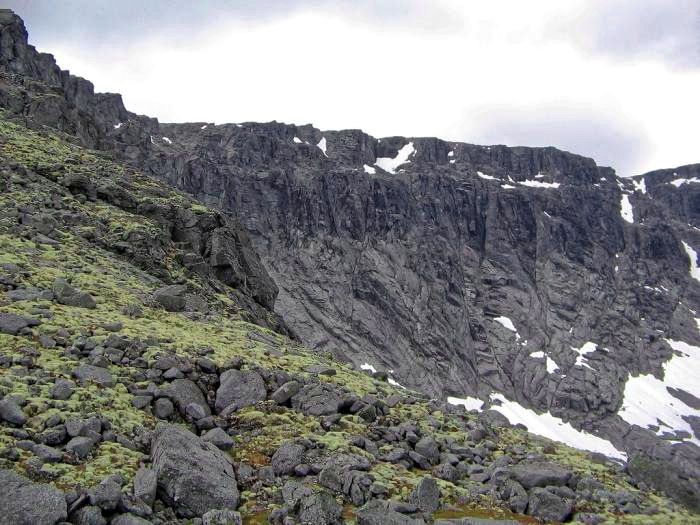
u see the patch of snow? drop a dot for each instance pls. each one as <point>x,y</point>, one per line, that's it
<point>369,169</point>
<point>487,177</point>
<point>117,126</point>
<point>587,348</point>
<point>552,366</point>
<point>507,323</point>
<point>297,140</point>
<point>539,176</point>
<point>679,182</point>
<point>547,214</point>
<point>452,161</point>
<point>166,139</point>
<point>153,141</point>
<point>647,402</point>
<point>389,164</point>
<point>322,145</point>
<point>693,256</point>
<point>626,208</point>
<point>470,403</point>
<point>538,355</point>
<point>554,428</point>
<point>393,382</point>
<point>640,185</point>
<point>451,154</point>
<point>603,179</point>
<point>539,184</point>
<point>367,366</point>
<point>204,127</point>
<point>507,187</point>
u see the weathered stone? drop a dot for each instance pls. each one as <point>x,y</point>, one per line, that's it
<point>11,412</point>
<point>62,389</point>
<point>319,508</point>
<point>285,392</point>
<point>547,506</point>
<point>163,408</point>
<point>219,438</point>
<point>379,512</point>
<point>13,323</point>
<point>105,494</point>
<point>66,294</point>
<point>193,476</point>
<point>183,392</point>
<point>240,388</point>
<point>25,503</point>
<point>88,515</point>
<point>287,457</point>
<point>426,495</point>
<point>222,517</point>
<point>95,374</point>
<point>531,475</point>
<point>145,485</point>
<point>80,446</point>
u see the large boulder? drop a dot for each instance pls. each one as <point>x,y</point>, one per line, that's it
<point>287,457</point>
<point>172,297</point>
<point>548,506</point>
<point>183,392</point>
<point>242,388</point>
<point>531,475</point>
<point>379,512</point>
<point>193,476</point>
<point>23,502</point>
<point>65,293</point>
<point>11,412</point>
<point>426,495</point>
<point>12,323</point>
<point>320,508</point>
<point>95,374</point>
<point>317,400</point>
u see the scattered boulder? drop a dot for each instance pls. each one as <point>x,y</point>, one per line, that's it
<point>172,297</point>
<point>242,388</point>
<point>426,495</point>
<point>222,517</point>
<point>531,475</point>
<point>145,485</point>
<point>23,502</point>
<point>319,508</point>
<point>62,389</point>
<point>219,438</point>
<point>317,400</point>
<point>379,512</point>
<point>163,408</point>
<point>12,324</point>
<point>183,392</point>
<point>11,412</point>
<point>129,519</point>
<point>429,449</point>
<point>285,392</point>
<point>106,494</point>
<point>80,446</point>
<point>96,374</point>
<point>547,506</point>
<point>193,476</point>
<point>88,515</point>
<point>65,293</point>
<point>287,457</point>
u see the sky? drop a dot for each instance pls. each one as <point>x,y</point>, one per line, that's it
<point>616,80</point>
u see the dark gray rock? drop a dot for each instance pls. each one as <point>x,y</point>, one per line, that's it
<point>219,438</point>
<point>531,475</point>
<point>429,449</point>
<point>285,392</point>
<point>287,457</point>
<point>25,503</point>
<point>145,485</point>
<point>129,519</point>
<point>379,512</point>
<point>62,389</point>
<point>13,323</point>
<point>183,392</point>
<point>64,293</point>
<point>163,408</point>
<point>11,412</point>
<point>426,495</point>
<point>240,388</point>
<point>193,476</point>
<point>95,374</point>
<point>317,400</point>
<point>547,506</point>
<point>88,515</point>
<point>80,446</point>
<point>222,517</point>
<point>47,454</point>
<point>106,494</point>
<point>172,298</point>
<point>319,508</point>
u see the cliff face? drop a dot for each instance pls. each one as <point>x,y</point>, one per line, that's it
<point>459,269</point>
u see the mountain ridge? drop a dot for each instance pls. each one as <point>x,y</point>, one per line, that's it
<point>524,232</point>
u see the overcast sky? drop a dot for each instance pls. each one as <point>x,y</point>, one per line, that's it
<point>617,80</point>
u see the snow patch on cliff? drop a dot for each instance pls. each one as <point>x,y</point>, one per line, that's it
<point>693,256</point>
<point>390,165</point>
<point>626,208</point>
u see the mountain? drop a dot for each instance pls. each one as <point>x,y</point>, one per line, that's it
<point>529,278</point>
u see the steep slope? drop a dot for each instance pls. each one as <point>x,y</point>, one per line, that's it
<point>126,397</point>
<point>463,270</point>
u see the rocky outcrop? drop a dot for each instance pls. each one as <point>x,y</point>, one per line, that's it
<point>193,476</point>
<point>25,503</point>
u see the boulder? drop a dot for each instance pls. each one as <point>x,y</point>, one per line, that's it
<point>62,389</point>
<point>106,494</point>
<point>65,293</point>
<point>287,457</point>
<point>285,392</point>
<point>23,502</point>
<point>12,324</point>
<point>319,508</point>
<point>547,506</point>
<point>11,412</point>
<point>379,512</point>
<point>531,475</point>
<point>145,485</point>
<point>426,495</point>
<point>183,392</point>
<point>193,476</point>
<point>222,517</point>
<point>88,515</point>
<point>317,400</point>
<point>242,388</point>
<point>172,297</point>
<point>219,438</point>
<point>80,446</point>
<point>429,449</point>
<point>129,519</point>
<point>96,374</point>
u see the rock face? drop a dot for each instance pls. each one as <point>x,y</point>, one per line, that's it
<point>466,270</point>
<point>193,476</point>
<point>25,503</point>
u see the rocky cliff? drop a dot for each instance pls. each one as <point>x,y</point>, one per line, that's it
<point>458,269</point>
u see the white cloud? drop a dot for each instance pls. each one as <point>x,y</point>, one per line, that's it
<point>458,80</point>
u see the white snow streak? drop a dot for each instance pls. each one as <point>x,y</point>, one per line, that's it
<point>117,126</point>
<point>679,182</point>
<point>626,208</point>
<point>389,165</point>
<point>369,169</point>
<point>554,428</point>
<point>587,348</point>
<point>393,382</point>
<point>507,323</point>
<point>470,403</point>
<point>322,145</point>
<point>640,186</point>
<point>539,184</point>
<point>693,256</point>
<point>487,177</point>
<point>297,140</point>
<point>367,366</point>
<point>166,139</point>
